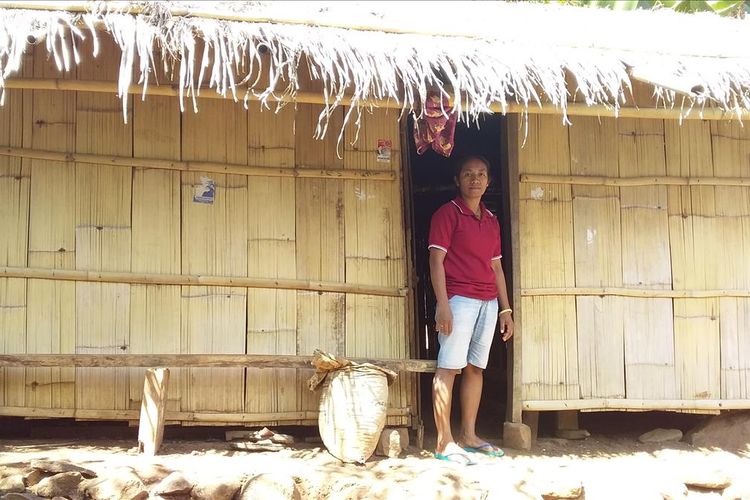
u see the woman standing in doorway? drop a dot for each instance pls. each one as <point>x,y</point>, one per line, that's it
<point>468,280</point>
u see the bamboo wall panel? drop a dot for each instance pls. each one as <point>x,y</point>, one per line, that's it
<point>550,326</point>
<point>735,348</point>
<point>374,243</point>
<point>14,193</point>
<point>102,218</point>
<point>155,309</point>
<point>320,243</point>
<point>51,304</point>
<point>598,261</point>
<point>649,337</point>
<point>546,221</point>
<point>271,250</point>
<point>214,241</point>
<point>696,246</point>
<point>731,157</point>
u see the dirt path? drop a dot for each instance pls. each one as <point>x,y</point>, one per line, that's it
<point>606,468</point>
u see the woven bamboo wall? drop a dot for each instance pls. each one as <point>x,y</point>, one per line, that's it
<point>80,216</point>
<point>648,237</point>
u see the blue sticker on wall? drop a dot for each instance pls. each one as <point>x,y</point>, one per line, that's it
<point>205,191</point>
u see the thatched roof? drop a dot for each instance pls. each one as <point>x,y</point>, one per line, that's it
<point>489,54</point>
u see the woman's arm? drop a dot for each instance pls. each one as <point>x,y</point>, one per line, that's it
<point>443,315</point>
<point>506,320</point>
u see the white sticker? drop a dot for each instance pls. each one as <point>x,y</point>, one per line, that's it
<point>537,193</point>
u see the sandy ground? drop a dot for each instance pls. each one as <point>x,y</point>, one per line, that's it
<point>606,467</point>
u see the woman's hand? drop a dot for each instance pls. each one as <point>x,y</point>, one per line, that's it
<point>444,319</point>
<point>506,326</point>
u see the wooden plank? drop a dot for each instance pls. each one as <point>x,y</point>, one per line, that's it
<point>271,250</point>
<point>214,241</point>
<point>631,181</point>
<point>197,280</point>
<point>194,418</point>
<point>204,360</point>
<point>707,405</point>
<point>317,98</point>
<point>51,304</point>
<point>156,248</point>
<point>320,244</point>
<point>149,161</point>
<point>513,146</point>
<point>153,407</point>
<point>103,237</point>
<point>631,292</point>
<point>14,217</point>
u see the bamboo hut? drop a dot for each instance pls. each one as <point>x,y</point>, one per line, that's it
<point>200,183</point>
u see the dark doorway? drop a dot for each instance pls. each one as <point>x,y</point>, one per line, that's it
<point>431,179</point>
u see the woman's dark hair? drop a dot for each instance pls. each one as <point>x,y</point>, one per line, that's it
<point>463,160</point>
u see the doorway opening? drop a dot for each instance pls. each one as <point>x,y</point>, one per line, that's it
<point>432,185</point>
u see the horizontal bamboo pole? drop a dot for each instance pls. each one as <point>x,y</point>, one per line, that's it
<point>198,166</point>
<point>227,15</point>
<point>637,404</point>
<point>197,280</point>
<point>304,97</point>
<point>634,292</point>
<point>197,361</point>
<point>191,416</point>
<point>590,180</point>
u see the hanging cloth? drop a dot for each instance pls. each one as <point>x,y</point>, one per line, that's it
<point>437,125</point>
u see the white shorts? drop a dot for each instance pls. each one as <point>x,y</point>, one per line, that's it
<point>470,340</point>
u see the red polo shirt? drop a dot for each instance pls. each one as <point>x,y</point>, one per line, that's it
<point>470,245</point>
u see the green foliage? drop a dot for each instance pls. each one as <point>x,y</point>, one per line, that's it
<point>730,8</point>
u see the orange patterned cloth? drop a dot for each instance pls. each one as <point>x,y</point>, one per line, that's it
<point>435,129</point>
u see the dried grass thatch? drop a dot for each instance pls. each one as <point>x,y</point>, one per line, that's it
<point>480,54</point>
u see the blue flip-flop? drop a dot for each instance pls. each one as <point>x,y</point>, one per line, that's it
<point>486,449</point>
<point>456,458</point>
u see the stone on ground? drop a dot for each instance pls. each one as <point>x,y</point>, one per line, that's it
<point>12,484</point>
<point>220,489</point>
<point>121,484</point>
<point>392,442</point>
<point>60,467</point>
<point>22,496</point>
<point>517,436</point>
<point>707,478</point>
<point>152,473</point>
<point>560,486</point>
<point>270,487</point>
<point>660,436</point>
<point>572,434</point>
<point>64,484</point>
<point>173,484</point>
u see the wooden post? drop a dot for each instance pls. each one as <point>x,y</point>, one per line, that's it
<point>151,426</point>
<point>515,384</point>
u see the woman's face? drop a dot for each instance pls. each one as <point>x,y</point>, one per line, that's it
<point>473,179</point>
